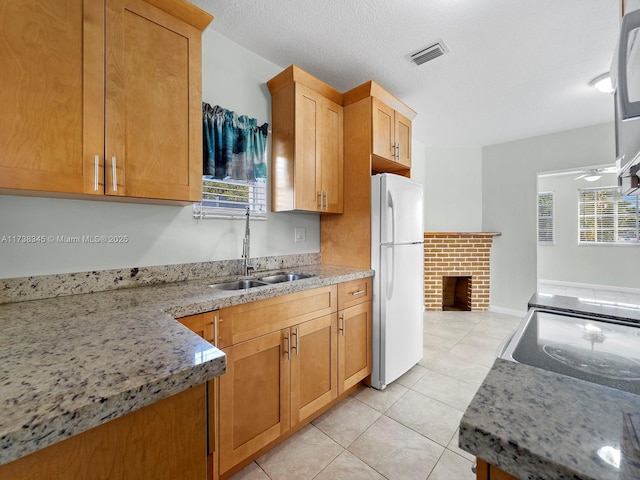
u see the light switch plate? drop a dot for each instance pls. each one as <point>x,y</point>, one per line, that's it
<point>300,234</point>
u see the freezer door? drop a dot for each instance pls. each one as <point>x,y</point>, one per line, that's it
<point>400,210</point>
<point>401,306</point>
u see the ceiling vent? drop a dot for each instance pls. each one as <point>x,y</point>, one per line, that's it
<point>425,54</point>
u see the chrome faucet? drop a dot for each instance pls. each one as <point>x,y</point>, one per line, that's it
<point>246,244</point>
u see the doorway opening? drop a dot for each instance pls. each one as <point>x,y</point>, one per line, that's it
<point>456,293</point>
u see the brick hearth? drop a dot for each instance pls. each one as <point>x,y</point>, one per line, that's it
<point>457,255</point>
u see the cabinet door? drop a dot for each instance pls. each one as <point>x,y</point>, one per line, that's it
<point>201,324</point>
<point>403,139</point>
<point>254,397</point>
<point>382,129</point>
<point>153,104</point>
<point>354,345</point>
<point>51,77</point>
<point>313,366</point>
<point>308,105</point>
<point>331,156</point>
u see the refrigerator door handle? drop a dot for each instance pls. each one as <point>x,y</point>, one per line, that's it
<point>390,273</point>
<point>393,216</point>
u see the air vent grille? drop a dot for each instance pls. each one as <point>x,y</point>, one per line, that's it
<point>428,53</point>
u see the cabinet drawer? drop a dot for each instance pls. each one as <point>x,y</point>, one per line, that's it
<point>244,322</point>
<point>354,292</point>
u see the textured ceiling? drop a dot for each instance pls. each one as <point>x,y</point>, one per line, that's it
<point>516,68</point>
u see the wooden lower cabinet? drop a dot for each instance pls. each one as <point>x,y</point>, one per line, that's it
<point>254,397</point>
<point>205,325</point>
<point>314,382</point>
<point>273,383</point>
<point>202,324</point>
<point>354,345</point>
<point>165,440</point>
<point>289,358</point>
<point>485,471</point>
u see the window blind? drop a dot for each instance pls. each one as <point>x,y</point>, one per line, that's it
<point>230,199</point>
<point>546,230</point>
<point>607,217</point>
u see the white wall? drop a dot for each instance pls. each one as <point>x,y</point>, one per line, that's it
<point>509,199</point>
<point>452,181</point>
<point>566,261</point>
<point>232,77</point>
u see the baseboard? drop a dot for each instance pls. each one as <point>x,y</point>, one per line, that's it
<point>608,288</point>
<point>508,311</point>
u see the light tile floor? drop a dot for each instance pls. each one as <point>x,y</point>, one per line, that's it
<point>408,430</point>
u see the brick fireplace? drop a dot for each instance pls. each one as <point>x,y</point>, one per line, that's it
<point>457,270</point>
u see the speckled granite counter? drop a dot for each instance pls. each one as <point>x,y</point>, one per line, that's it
<point>70,363</point>
<point>536,424</point>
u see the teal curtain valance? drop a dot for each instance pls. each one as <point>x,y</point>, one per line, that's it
<point>234,146</point>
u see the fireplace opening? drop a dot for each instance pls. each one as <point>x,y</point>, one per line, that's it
<point>456,293</point>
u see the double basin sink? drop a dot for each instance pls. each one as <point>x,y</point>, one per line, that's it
<point>245,283</point>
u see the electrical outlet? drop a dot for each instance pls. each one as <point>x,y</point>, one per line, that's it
<point>300,234</point>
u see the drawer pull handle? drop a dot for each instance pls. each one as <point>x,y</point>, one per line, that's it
<point>359,292</point>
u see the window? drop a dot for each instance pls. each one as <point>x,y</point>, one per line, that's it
<point>546,231</point>
<point>234,165</point>
<point>230,198</point>
<point>607,217</point>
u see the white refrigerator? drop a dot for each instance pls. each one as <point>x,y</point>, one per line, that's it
<point>398,285</point>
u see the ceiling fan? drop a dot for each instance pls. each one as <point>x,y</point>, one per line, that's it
<point>594,174</point>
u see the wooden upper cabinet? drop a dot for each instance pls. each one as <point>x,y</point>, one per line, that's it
<point>153,103</point>
<point>382,125</point>
<point>390,127</point>
<point>52,115</point>
<point>307,144</point>
<point>402,129</point>
<point>391,134</point>
<point>101,101</point>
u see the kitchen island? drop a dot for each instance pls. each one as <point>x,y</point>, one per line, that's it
<point>75,362</point>
<point>538,424</point>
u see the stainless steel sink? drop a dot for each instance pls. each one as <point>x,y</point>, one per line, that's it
<point>239,284</point>
<point>285,277</point>
<point>246,283</point>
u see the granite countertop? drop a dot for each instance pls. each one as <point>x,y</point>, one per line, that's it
<point>70,363</point>
<point>537,424</point>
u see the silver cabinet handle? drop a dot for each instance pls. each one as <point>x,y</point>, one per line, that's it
<point>114,174</point>
<point>215,329</point>
<point>297,347</point>
<point>96,172</point>
<point>288,350</point>
<point>398,151</point>
<point>320,200</point>
<point>359,292</point>
<point>342,323</point>
<point>326,200</point>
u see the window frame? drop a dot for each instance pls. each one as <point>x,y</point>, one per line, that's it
<point>551,217</point>
<point>609,210</point>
